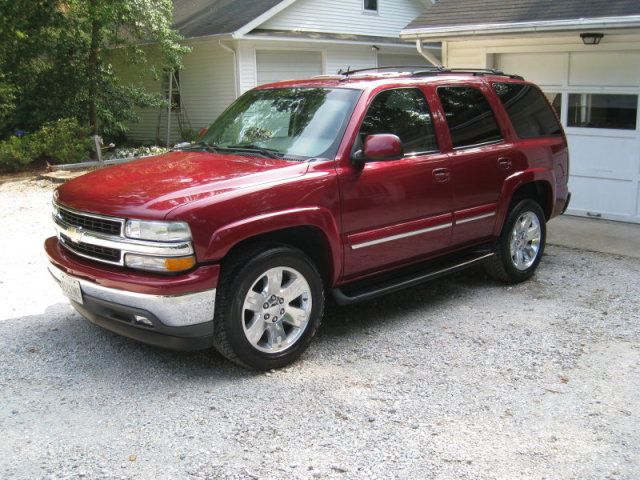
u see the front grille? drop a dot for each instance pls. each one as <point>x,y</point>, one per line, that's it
<point>88,222</point>
<point>93,251</point>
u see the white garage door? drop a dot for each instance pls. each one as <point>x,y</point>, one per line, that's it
<point>597,95</point>
<point>277,65</point>
<point>392,60</point>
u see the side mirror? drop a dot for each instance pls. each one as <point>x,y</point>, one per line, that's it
<point>382,146</point>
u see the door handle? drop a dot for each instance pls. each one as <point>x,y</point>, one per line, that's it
<point>441,175</point>
<point>504,163</point>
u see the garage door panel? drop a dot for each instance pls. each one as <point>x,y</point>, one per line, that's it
<point>604,156</point>
<point>613,69</point>
<point>598,195</point>
<point>276,65</point>
<point>528,65</point>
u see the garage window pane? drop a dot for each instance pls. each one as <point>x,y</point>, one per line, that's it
<point>529,111</point>
<point>600,110</point>
<point>469,116</point>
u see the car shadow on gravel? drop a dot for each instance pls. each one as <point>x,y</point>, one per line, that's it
<point>348,320</point>
<point>68,342</point>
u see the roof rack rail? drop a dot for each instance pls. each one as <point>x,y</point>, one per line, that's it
<point>426,70</point>
<point>469,71</point>
<point>349,72</point>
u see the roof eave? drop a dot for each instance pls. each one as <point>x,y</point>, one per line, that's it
<point>573,24</point>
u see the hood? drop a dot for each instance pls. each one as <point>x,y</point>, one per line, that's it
<point>152,187</point>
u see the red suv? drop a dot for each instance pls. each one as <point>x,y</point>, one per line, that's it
<point>352,186</point>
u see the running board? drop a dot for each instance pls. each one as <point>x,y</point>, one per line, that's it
<point>404,278</point>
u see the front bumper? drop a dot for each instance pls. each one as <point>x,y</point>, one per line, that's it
<point>182,322</point>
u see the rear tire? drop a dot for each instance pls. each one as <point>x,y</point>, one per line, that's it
<point>269,305</point>
<point>521,243</point>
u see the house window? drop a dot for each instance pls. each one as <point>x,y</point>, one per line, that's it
<point>602,110</point>
<point>469,116</point>
<point>371,6</point>
<point>176,101</point>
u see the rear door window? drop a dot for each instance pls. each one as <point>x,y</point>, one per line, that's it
<point>469,116</point>
<point>529,111</point>
<point>403,112</point>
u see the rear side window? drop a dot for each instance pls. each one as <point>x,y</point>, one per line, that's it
<point>469,116</point>
<point>403,112</point>
<point>528,110</point>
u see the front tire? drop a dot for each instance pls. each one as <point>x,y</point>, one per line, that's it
<point>521,243</point>
<point>269,305</point>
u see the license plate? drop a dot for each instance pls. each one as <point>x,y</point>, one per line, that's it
<point>71,288</point>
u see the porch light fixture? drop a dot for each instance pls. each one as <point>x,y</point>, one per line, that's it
<point>591,38</point>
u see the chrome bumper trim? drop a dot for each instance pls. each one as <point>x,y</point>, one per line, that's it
<point>172,311</point>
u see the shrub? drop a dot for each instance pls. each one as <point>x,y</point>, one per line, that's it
<point>62,141</point>
<point>17,154</point>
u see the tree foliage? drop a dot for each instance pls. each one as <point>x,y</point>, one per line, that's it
<point>56,60</point>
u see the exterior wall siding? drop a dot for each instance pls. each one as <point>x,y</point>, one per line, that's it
<point>346,16</point>
<point>207,86</point>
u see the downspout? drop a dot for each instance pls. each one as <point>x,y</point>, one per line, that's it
<point>235,67</point>
<point>428,55</point>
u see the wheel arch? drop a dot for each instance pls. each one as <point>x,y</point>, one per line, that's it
<point>535,184</point>
<point>311,230</point>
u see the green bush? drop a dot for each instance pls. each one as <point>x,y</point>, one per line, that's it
<point>62,141</point>
<point>17,154</point>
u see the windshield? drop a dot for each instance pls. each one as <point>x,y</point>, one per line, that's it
<point>292,123</point>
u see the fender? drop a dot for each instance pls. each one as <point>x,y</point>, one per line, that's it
<point>515,181</point>
<point>228,236</point>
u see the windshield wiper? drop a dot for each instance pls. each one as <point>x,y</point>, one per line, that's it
<point>201,145</point>
<point>266,152</point>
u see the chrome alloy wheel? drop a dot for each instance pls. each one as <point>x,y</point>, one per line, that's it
<point>276,309</point>
<point>524,241</point>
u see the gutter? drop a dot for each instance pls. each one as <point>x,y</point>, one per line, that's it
<point>629,21</point>
<point>236,79</point>
<point>426,54</point>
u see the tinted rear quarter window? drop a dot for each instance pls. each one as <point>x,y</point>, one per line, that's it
<point>529,111</point>
<point>469,116</point>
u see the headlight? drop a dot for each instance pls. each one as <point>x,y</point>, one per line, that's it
<point>158,231</point>
<point>159,264</point>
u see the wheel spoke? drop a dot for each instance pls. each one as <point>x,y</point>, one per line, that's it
<point>254,301</point>
<point>277,335</point>
<point>294,289</point>
<point>256,330</point>
<point>295,316</point>
<point>533,233</point>
<point>274,281</point>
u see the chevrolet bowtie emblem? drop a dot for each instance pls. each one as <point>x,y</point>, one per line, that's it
<point>75,234</point>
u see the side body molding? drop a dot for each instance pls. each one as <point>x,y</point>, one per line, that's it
<point>227,236</point>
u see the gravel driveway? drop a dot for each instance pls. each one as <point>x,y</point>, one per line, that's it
<point>462,378</point>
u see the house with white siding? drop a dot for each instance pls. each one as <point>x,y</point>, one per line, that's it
<point>585,55</point>
<point>239,44</point>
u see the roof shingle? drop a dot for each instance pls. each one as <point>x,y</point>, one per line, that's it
<point>446,13</point>
<point>198,18</point>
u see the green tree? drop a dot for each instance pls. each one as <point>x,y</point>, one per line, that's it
<point>57,60</point>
